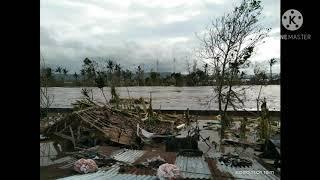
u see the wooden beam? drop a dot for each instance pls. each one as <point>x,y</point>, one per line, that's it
<point>63,136</point>
<point>73,141</point>
<point>79,133</point>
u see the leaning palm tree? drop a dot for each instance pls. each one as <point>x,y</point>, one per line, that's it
<point>110,65</point>
<point>272,61</point>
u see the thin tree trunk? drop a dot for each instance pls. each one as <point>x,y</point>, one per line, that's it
<point>228,99</point>
<point>271,73</point>
<point>104,95</point>
<point>222,80</point>
<point>259,99</point>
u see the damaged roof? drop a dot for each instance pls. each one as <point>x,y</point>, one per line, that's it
<point>127,155</point>
<point>112,173</point>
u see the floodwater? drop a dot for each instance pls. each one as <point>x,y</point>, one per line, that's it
<point>47,153</point>
<point>175,98</point>
<point>214,136</point>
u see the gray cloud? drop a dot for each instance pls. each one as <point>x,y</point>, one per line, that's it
<point>137,32</point>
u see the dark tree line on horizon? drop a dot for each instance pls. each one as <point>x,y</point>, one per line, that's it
<point>112,73</point>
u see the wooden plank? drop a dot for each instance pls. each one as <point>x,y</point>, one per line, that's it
<point>72,136</point>
<point>118,135</point>
<point>63,136</point>
<point>88,119</point>
<point>92,124</point>
<point>79,133</point>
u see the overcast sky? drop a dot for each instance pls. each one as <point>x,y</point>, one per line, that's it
<point>138,31</point>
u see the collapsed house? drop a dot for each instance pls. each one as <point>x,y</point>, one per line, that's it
<point>95,125</point>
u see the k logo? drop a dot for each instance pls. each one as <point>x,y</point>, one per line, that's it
<point>292,19</point>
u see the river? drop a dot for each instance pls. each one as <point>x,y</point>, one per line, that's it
<point>177,98</point>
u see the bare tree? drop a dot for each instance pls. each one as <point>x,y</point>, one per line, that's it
<point>46,99</point>
<point>259,78</point>
<point>100,83</point>
<point>228,43</point>
<point>188,66</point>
<point>195,65</point>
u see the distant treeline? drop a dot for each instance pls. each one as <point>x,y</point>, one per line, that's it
<point>113,75</point>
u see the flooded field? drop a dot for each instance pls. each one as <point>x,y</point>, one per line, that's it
<point>178,98</point>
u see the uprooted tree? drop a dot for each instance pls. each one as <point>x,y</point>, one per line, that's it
<point>227,44</point>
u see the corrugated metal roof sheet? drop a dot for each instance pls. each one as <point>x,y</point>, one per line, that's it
<point>128,156</point>
<point>133,177</point>
<point>68,163</point>
<point>112,173</point>
<point>193,167</point>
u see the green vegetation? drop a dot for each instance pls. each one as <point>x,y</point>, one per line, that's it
<point>86,77</point>
<point>228,43</point>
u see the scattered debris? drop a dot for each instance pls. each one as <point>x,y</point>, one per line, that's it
<point>148,167</point>
<point>235,161</point>
<point>88,127</point>
<point>181,126</point>
<point>174,144</point>
<point>126,133</point>
<point>271,148</point>
<point>155,162</point>
<point>237,143</point>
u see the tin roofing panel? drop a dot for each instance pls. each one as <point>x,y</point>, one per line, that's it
<point>128,156</point>
<point>112,173</point>
<point>193,167</point>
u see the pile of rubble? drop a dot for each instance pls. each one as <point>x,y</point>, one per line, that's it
<point>96,124</point>
<point>49,121</point>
